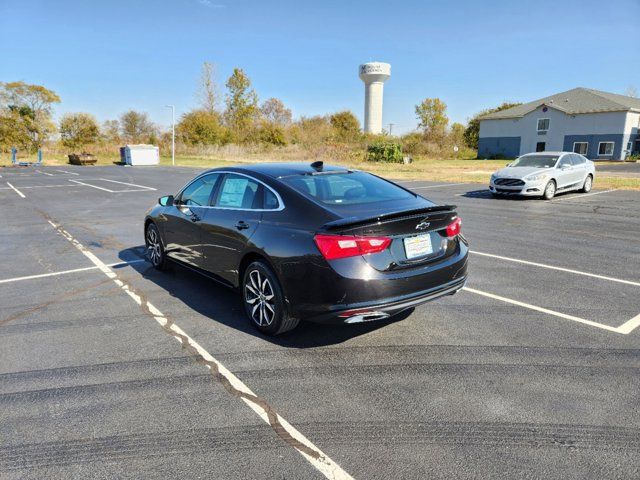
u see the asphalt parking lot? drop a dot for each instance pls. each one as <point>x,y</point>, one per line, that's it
<point>531,372</point>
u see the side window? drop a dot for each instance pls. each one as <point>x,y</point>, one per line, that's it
<point>270,200</point>
<point>566,160</point>
<point>238,191</point>
<point>577,159</point>
<point>199,191</point>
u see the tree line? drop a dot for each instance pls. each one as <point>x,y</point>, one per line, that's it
<point>237,117</point>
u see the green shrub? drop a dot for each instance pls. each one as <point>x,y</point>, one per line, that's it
<point>384,152</point>
<point>272,134</point>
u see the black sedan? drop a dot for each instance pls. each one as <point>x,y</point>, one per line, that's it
<point>310,242</point>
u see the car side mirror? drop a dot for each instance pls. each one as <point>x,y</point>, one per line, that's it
<point>564,167</point>
<point>166,201</point>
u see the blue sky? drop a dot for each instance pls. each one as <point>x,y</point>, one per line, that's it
<point>105,57</point>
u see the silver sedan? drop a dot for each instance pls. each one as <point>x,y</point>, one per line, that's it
<point>544,174</point>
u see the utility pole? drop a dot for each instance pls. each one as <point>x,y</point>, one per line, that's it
<point>391,128</point>
<point>173,134</point>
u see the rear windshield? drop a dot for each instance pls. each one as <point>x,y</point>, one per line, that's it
<point>348,188</point>
<point>540,161</point>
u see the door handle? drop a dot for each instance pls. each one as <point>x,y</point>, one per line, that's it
<point>195,218</point>
<point>242,225</point>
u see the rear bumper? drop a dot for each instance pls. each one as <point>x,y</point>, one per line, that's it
<point>351,287</point>
<point>381,309</point>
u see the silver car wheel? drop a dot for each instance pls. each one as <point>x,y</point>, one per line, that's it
<point>259,295</point>
<point>588,183</point>
<point>154,249</point>
<point>550,190</point>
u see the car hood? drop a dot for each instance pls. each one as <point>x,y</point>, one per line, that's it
<point>520,172</point>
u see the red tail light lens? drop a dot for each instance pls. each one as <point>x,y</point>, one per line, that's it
<point>342,246</point>
<point>454,227</point>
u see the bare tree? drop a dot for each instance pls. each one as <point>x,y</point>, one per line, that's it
<point>631,91</point>
<point>208,90</point>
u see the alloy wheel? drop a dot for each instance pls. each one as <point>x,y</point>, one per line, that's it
<point>260,297</point>
<point>587,184</point>
<point>550,191</point>
<point>154,249</point>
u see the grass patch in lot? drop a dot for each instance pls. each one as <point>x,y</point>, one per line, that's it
<point>450,170</point>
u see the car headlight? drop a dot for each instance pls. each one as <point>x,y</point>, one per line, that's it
<point>493,177</point>
<point>537,178</point>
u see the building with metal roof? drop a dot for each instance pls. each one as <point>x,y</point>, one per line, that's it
<point>599,125</point>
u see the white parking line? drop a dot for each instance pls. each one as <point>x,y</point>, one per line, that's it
<point>70,173</point>
<point>624,329</point>
<point>231,383</point>
<point>130,184</point>
<point>582,195</point>
<point>436,186</point>
<point>45,173</point>
<point>37,186</point>
<point>92,186</point>
<point>65,272</point>
<point>16,190</point>
<point>553,267</point>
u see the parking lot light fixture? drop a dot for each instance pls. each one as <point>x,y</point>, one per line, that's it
<point>173,134</point>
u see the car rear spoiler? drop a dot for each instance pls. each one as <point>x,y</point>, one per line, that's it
<point>361,221</point>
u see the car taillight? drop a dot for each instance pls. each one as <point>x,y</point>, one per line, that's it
<point>454,227</point>
<point>342,246</point>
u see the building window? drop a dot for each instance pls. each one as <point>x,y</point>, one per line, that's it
<point>580,147</point>
<point>605,148</point>
<point>540,146</point>
<point>543,125</point>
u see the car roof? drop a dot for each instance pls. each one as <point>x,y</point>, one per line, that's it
<point>547,154</point>
<point>282,169</point>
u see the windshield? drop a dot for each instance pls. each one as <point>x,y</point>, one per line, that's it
<point>540,161</point>
<point>348,188</point>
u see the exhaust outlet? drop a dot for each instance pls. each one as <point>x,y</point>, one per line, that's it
<point>366,317</point>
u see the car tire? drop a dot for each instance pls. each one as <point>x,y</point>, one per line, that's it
<point>588,184</point>
<point>263,300</point>
<point>154,248</point>
<point>549,190</point>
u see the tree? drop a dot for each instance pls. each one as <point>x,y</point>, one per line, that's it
<point>432,118</point>
<point>136,127</point>
<point>29,107</point>
<point>110,131</point>
<point>242,105</point>
<point>201,127</point>
<point>345,125</point>
<point>631,91</point>
<point>472,132</point>
<point>78,130</point>
<point>38,98</point>
<point>208,89</point>
<point>274,111</point>
<point>15,131</point>
<point>457,134</point>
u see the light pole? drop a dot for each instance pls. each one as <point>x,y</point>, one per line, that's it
<point>173,134</point>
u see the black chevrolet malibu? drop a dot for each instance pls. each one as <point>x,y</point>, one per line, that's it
<point>310,242</point>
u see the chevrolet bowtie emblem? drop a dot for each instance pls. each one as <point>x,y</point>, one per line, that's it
<point>423,225</point>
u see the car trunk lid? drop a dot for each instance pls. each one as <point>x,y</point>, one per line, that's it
<point>418,236</point>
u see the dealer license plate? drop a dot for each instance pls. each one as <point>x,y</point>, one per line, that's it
<point>418,246</point>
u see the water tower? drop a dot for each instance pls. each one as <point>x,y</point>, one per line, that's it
<point>373,74</point>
